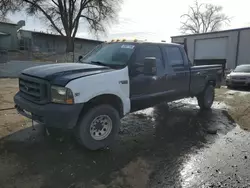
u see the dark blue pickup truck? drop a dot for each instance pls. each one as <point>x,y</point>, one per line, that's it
<point>114,79</point>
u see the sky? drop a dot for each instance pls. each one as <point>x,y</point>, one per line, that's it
<point>152,20</point>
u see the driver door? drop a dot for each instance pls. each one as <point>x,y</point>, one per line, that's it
<point>143,87</point>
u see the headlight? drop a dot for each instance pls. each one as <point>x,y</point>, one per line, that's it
<point>228,77</point>
<point>61,95</point>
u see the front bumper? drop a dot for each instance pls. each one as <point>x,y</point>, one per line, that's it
<point>239,83</point>
<point>52,115</point>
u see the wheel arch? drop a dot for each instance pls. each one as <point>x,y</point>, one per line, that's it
<point>109,99</point>
<point>211,82</point>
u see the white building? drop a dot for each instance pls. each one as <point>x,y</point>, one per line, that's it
<point>229,47</point>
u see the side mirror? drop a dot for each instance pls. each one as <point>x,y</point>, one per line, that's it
<point>79,58</point>
<point>149,67</point>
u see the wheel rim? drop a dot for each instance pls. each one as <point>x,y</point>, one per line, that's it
<point>209,96</point>
<point>101,127</point>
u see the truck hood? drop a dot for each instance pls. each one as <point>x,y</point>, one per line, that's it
<point>61,74</point>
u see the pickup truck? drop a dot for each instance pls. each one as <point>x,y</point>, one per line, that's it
<point>116,78</point>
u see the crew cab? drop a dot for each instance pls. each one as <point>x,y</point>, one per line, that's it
<point>116,78</point>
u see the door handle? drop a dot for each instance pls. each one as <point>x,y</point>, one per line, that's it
<point>169,77</point>
<point>198,73</point>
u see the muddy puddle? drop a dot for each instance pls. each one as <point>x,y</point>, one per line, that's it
<point>171,145</point>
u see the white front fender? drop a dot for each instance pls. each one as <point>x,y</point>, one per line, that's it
<point>114,82</point>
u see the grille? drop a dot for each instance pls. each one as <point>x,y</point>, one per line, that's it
<point>33,89</point>
<point>242,78</point>
<point>238,83</point>
<point>239,78</point>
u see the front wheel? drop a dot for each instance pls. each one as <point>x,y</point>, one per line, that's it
<point>98,127</point>
<point>206,98</point>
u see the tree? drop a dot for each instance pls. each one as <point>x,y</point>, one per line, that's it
<point>64,16</point>
<point>7,6</point>
<point>202,18</point>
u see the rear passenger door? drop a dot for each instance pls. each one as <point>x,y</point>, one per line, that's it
<point>180,76</point>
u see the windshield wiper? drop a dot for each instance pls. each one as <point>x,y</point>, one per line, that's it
<point>99,63</point>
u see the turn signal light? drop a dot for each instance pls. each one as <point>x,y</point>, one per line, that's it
<point>69,101</point>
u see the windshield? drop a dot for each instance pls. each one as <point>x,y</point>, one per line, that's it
<point>110,54</point>
<point>242,68</point>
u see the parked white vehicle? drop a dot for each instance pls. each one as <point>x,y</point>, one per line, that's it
<point>240,76</point>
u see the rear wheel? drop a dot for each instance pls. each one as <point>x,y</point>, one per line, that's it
<point>206,98</point>
<point>98,127</point>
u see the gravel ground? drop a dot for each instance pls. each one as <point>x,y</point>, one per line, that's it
<point>173,145</point>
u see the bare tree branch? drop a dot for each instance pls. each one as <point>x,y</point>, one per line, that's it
<point>55,3</point>
<point>203,18</point>
<point>64,16</point>
<point>38,7</point>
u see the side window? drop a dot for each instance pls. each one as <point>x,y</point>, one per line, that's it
<point>174,56</point>
<point>148,51</point>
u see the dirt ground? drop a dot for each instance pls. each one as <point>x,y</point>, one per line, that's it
<point>239,101</point>
<point>173,145</point>
<point>10,121</point>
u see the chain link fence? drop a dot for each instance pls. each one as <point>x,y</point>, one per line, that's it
<point>13,62</point>
<point>50,57</point>
<point>3,56</point>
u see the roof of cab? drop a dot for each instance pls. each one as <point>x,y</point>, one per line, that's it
<point>143,41</point>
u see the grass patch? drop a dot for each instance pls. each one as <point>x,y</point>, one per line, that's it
<point>220,94</point>
<point>239,106</point>
<point>240,110</point>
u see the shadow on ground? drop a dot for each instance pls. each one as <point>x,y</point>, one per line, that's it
<point>244,89</point>
<point>162,136</point>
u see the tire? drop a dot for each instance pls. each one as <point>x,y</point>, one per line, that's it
<point>206,98</point>
<point>93,130</point>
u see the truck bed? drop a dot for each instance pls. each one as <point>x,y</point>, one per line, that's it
<point>201,75</point>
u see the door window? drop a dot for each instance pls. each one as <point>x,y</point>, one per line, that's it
<point>147,51</point>
<point>174,56</point>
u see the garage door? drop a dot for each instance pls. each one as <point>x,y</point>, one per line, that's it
<point>214,48</point>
